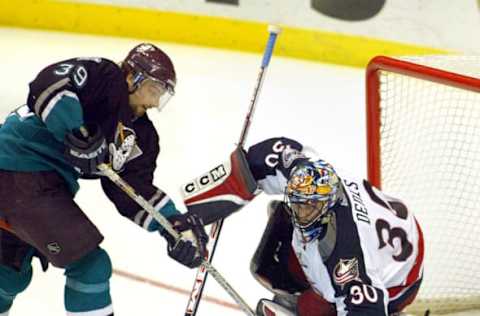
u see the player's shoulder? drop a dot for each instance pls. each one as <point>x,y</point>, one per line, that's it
<point>80,72</point>
<point>100,68</point>
<point>146,131</point>
<point>90,62</point>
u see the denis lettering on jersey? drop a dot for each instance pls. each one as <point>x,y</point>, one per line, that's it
<point>361,211</point>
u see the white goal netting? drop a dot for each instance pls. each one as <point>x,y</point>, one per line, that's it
<point>429,156</point>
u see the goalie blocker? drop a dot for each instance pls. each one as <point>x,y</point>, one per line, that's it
<point>222,190</point>
<point>229,186</point>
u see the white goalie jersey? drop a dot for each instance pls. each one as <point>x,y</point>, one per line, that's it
<point>371,258</point>
<point>369,261</point>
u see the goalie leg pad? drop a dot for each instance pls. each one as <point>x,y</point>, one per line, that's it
<point>310,303</point>
<point>270,263</point>
<point>270,308</point>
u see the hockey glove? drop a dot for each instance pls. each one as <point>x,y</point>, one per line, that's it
<point>270,155</point>
<point>85,149</point>
<point>271,162</point>
<point>187,250</point>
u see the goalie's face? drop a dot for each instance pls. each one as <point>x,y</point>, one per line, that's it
<point>312,190</point>
<point>307,213</point>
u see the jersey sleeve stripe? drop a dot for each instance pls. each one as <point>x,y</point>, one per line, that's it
<point>159,200</point>
<point>142,216</point>
<point>148,221</point>
<point>54,101</point>
<point>48,92</point>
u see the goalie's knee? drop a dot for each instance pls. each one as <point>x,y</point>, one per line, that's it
<point>87,286</point>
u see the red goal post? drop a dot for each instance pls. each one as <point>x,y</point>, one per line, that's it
<point>383,63</point>
<point>423,145</point>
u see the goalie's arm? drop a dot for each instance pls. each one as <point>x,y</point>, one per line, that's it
<point>229,186</point>
<point>271,161</point>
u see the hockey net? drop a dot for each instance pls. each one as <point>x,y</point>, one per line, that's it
<point>423,129</point>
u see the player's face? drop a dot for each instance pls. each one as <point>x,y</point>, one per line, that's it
<point>150,94</point>
<point>305,213</point>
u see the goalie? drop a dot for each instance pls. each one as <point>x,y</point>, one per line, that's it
<point>335,245</point>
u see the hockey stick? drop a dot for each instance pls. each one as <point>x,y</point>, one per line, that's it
<point>125,187</point>
<point>202,273</point>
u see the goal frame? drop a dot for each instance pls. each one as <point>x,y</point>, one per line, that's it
<point>407,68</point>
<point>373,130</point>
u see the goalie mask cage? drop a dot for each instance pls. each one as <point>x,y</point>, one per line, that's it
<point>423,136</point>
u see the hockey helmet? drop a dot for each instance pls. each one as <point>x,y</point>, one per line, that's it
<point>149,63</point>
<point>313,188</point>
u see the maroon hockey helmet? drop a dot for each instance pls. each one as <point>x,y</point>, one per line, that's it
<point>146,61</point>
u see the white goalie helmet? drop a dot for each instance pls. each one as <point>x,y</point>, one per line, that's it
<point>313,188</point>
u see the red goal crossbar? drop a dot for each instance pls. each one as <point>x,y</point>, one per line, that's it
<point>383,63</point>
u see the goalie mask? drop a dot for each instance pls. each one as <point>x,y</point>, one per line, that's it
<point>313,188</point>
<point>152,68</point>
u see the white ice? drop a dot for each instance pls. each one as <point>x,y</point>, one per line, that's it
<point>320,105</point>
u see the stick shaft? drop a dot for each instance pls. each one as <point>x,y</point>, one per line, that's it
<point>267,55</point>
<point>201,277</point>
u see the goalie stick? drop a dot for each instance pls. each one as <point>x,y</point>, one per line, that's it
<point>202,273</point>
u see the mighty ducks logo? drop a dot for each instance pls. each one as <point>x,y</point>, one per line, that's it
<point>345,271</point>
<point>124,148</point>
<point>54,248</point>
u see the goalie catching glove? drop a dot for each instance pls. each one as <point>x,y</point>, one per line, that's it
<point>271,161</point>
<point>190,248</point>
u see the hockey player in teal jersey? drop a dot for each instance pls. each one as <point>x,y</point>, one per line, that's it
<point>82,112</point>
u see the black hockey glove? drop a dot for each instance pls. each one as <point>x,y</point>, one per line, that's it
<point>268,156</point>
<point>85,149</point>
<point>184,249</point>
